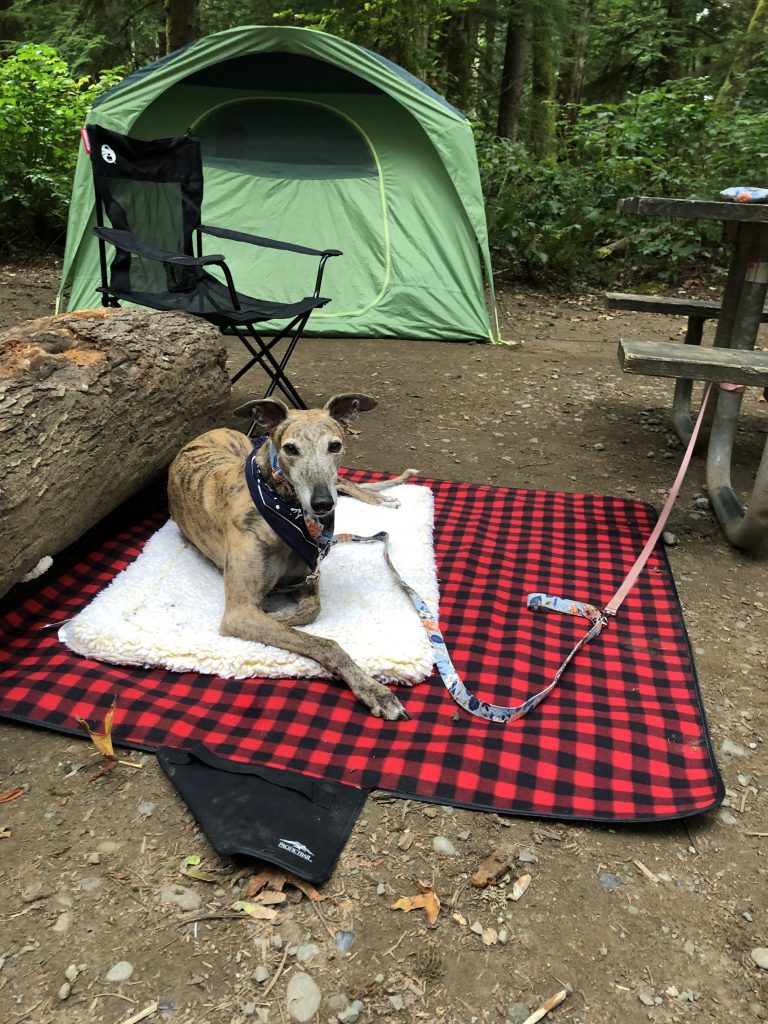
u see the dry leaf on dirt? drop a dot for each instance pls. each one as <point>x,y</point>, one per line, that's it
<point>274,879</point>
<point>490,871</point>
<point>520,886</point>
<point>189,867</point>
<point>254,910</point>
<point>271,877</point>
<point>427,900</point>
<point>309,890</point>
<point>11,794</point>
<point>103,741</point>
<point>268,897</point>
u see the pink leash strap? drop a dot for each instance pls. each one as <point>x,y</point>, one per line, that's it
<point>618,598</point>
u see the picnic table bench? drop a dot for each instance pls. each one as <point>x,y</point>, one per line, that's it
<point>731,360</point>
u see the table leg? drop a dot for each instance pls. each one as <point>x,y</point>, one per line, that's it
<point>681,403</point>
<point>743,246</point>
<point>744,528</point>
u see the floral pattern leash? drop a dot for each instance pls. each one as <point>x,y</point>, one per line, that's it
<point>445,667</point>
<point>535,602</point>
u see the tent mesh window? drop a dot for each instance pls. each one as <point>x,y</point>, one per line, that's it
<point>284,139</point>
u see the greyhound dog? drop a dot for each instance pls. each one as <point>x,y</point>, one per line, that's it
<point>212,485</point>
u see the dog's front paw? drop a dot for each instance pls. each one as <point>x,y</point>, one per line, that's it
<point>389,502</point>
<point>381,702</point>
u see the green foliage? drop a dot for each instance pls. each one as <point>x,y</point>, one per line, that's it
<point>41,110</point>
<point>554,221</point>
<point>650,126</point>
<point>406,32</point>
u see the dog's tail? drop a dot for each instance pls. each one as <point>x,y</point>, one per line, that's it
<point>382,485</point>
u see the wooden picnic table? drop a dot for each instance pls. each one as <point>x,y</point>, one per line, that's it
<point>741,311</point>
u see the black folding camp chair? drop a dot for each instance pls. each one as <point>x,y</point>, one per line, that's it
<point>152,194</point>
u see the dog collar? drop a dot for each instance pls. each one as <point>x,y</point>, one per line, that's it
<point>307,536</point>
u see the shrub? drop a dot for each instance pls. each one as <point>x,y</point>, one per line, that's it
<point>554,221</point>
<point>41,110</point>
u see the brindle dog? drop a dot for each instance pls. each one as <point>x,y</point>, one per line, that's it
<point>211,503</point>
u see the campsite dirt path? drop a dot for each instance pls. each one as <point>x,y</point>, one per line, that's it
<point>81,863</point>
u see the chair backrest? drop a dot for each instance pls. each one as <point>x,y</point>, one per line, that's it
<point>151,188</point>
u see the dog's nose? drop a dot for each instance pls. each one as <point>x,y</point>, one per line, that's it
<point>322,503</point>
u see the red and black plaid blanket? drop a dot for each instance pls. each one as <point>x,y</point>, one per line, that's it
<point>622,738</point>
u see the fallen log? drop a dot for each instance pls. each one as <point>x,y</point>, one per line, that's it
<point>93,406</point>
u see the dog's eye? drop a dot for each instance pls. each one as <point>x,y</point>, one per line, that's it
<point>290,449</point>
<point>335,447</point>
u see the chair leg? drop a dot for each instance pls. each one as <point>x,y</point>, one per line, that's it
<point>279,379</point>
<point>262,355</point>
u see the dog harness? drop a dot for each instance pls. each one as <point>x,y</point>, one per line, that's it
<point>305,535</point>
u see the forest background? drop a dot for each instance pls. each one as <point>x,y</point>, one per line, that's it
<point>574,104</point>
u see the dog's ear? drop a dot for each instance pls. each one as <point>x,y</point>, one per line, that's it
<point>346,408</point>
<point>268,413</point>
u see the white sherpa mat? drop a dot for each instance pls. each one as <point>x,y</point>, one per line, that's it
<point>164,610</point>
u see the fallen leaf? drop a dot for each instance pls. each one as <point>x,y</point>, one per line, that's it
<point>254,910</point>
<point>427,901</point>
<point>309,890</point>
<point>103,741</point>
<point>271,877</point>
<point>190,869</point>
<point>490,871</point>
<point>11,794</point>
<point>519,887</point>
<point>490,936</point>
<point>275,880</point>
<point>459,918</point>
<point>268,897</point>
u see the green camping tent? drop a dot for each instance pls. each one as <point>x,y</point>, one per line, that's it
<point>309,138</point>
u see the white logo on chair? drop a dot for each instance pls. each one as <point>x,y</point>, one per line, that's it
<point>108,155</point>
<point>296,848</point>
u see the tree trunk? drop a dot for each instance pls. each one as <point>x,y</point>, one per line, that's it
<point>751,45</point>
<point>668,64</point>
<point>544,45</point>
<point>180,23</point>
<point>459,39</point>
<point>573,78</point>
<point>93,406</point>
<point>513,73</point>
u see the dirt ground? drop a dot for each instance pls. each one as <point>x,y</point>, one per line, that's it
<point>82,863</point>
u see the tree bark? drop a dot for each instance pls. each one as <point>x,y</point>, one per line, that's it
<point>573,79</point>
<point>751,45</point>
<point>459,41</point>
<point>180,23</point>
<point>543,119</point>
<point>513,73</point>
<point>93,406</point>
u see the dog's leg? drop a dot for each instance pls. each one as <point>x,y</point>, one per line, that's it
<point>369,493</point>
<point>302,607</point>
<point>244,618</point>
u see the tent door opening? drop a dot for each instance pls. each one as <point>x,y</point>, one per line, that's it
<point>277,165</point>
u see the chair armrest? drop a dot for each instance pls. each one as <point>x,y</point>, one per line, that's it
<point>269,243</point>
<point>129,242</point>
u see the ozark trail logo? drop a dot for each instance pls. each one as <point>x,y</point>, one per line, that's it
<point>296,848</point>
